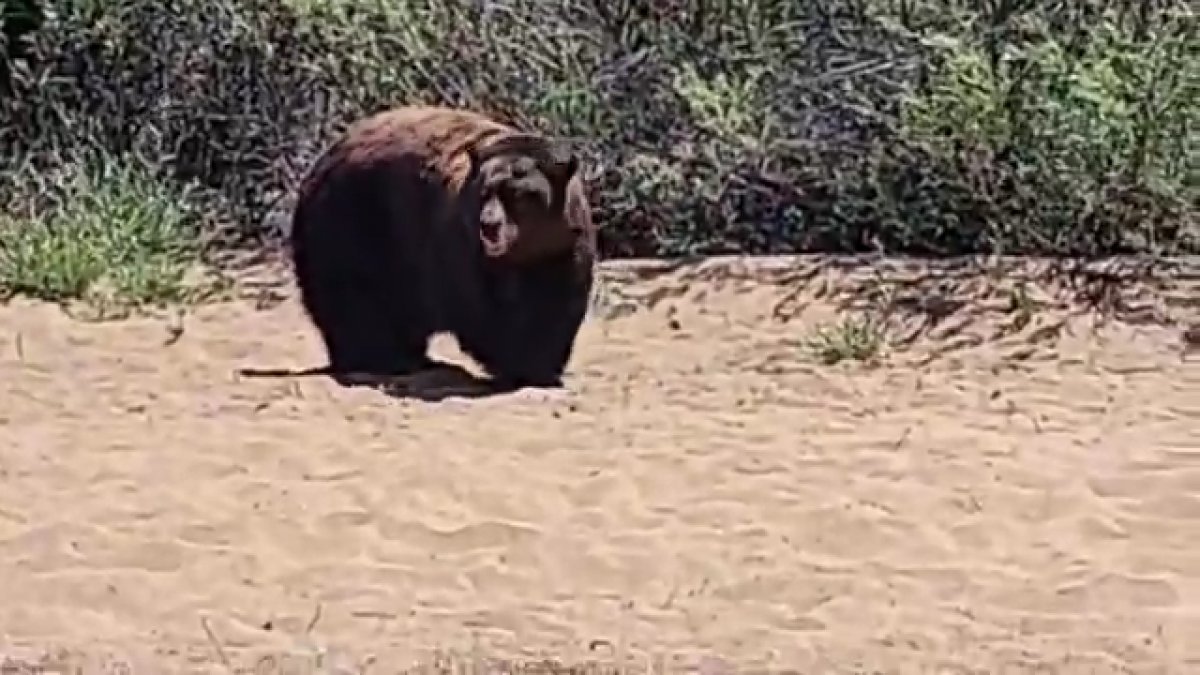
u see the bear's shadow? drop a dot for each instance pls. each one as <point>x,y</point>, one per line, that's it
<point>440,381</point>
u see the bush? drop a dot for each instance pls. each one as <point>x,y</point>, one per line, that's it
<point>109,234</point>
<point>710,126</point>
<point>1071,131</point>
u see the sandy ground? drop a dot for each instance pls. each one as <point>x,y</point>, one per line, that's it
<point>1010,493</point>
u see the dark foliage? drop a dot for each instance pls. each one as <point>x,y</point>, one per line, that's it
<point>711,126</point>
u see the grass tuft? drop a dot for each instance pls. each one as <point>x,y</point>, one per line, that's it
<point>855,338</point>
<point>112,237</point>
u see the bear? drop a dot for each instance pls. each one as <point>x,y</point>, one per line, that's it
<point>426,219</point>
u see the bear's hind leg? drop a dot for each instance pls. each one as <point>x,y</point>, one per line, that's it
<point>361,340</point>
<point>410,329</point>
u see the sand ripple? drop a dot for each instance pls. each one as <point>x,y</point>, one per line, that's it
<point>1009,505</point>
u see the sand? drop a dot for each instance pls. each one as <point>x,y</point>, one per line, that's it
<point>1012,489</point>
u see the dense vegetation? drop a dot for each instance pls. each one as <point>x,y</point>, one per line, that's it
<point>758,126</point>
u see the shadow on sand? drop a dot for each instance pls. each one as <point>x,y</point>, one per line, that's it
<point>440,381</point>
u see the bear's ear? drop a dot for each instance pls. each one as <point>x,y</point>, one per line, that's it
<point>564,163</point>
<point>570,166</point>
<point>533,145</point>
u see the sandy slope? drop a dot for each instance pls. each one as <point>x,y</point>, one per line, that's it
<point>700,496</point>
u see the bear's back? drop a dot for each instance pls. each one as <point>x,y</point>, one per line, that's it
<point>429,139</point>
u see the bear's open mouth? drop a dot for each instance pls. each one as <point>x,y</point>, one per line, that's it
<point>490,230</point>
<point>494,228</point>
<point>495,237</point>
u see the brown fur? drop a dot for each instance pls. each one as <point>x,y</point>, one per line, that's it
<point>422,220</point>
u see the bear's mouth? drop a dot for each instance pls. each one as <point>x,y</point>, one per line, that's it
<point>495,232</point>
<point>496,237</point>
<point>490,229</point>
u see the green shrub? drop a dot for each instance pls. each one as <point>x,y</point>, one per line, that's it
<point>114,236</point>
<point>855,338</point>
<point>1082,138</point>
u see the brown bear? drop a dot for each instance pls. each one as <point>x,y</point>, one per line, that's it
<point>423,219</point>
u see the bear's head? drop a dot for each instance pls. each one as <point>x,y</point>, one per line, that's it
<point>524,183</point>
